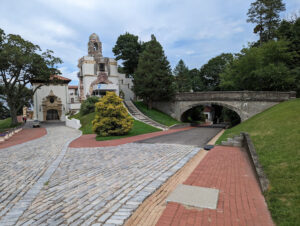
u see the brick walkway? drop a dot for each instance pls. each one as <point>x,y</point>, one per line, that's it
<point>240,199</point>
<point>89,141</point>
<point>24,136</point>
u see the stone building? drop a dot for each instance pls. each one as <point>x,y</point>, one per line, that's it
<point>50,102</point>
<point>98,74</point>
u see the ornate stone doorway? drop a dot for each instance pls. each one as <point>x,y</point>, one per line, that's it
<point>52,114</point>
<point>52,107</point>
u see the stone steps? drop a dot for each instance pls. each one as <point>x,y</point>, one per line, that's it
<point>135,113</point>
<point>235,141</point>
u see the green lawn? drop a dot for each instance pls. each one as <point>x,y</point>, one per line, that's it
<point>137,129</point>
<point>156,115</point>
<point>276,136</point>
<point>5,124</point>
<point>86,122</point>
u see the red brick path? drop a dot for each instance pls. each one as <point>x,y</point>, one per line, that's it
<point>89,140</point>
<point>24,136</point>
<point>240,199</point>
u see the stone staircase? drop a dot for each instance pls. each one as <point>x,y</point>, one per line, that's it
<point>235,141</point>
<point>135,113</point>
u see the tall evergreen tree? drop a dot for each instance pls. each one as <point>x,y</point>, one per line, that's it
<point>153,79</point>
<point>182,77</point>
<point>265,14</point>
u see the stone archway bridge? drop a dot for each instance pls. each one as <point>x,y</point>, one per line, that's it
<point>245,103</point>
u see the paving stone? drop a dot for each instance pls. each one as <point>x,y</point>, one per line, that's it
<point>89,182</point>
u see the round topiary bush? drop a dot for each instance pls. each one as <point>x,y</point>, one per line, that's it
<point>111,116</point>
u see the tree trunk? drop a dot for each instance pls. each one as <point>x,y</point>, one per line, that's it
<point>149,104</point>
<point>13,115</point>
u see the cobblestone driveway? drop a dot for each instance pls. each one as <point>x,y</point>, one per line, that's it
<point>104,185</point>
<point>22,165</point>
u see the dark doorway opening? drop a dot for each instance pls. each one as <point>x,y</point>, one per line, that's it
<point>52,114</point>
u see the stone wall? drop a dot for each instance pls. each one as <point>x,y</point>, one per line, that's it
<point>245,103</point>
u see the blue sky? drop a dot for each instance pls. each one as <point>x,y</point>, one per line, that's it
<point>192,30</point>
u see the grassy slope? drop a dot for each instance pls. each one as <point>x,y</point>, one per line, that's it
<point>156,115</point>
<point>276,136</point>
<point>138,127</point>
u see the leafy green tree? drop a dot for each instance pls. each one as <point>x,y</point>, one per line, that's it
<point>260,68</point>
<point>153,79</point>
<point>182,77</point>
<point>88,105</point>
<point>20,63</point>
<point>197,81</point>
<point>111,116</point>
<point>128,49</point>
<point>290,31</point>
<point>210,72</point>
<point>265,14</point>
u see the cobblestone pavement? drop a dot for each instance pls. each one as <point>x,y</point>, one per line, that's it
<point>22,165</point>
<point>103,186</point>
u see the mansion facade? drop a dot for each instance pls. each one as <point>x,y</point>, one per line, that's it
<point>97,75</point>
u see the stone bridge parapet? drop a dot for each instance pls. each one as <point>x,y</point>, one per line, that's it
<point>236,96</point>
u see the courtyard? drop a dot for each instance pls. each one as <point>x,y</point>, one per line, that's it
<point>85,185</point>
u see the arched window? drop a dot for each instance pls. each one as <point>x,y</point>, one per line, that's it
<point>95,46</point>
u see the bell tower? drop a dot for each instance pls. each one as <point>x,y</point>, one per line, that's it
<point>94,46</point>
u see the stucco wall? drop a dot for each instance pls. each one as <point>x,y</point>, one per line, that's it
<point>61,91</point>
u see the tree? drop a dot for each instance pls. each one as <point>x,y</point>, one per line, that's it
<point>197,80</point>
<point>182,77</point>
<point>153,79</point>
<point>128,49</point>
<point>260,68</point>
<point>210,72</point>
<point>111,116</point>
<point>290,31</point>
<point>265,14</point>
<point>255,14</point>
<point>4,111</point>
<point>88,105</point>
<point>20,63</point>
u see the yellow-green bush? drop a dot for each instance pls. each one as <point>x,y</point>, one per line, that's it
<point>111,116</point>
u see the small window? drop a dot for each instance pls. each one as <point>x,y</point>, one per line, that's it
<point>101,67</point>
<point>128,86</point>
<point>51,100</point>
<point>95,46</point>
<point>72,100</point>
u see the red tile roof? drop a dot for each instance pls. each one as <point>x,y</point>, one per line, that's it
<point>207,109</point>
<point>73,87</point>
<point>59,77</point>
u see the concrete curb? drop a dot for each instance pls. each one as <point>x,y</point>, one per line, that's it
<point>22,205</point>
<point>259,172</point>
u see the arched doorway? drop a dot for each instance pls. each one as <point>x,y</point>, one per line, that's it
<point>210,113</point>
<point>52,114</point>
<point>52,107</point>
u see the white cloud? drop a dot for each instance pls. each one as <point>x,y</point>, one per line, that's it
<point>202,28</point>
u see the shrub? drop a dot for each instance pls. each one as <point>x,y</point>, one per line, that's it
<point>88,106</point>
<point>111,116</point>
